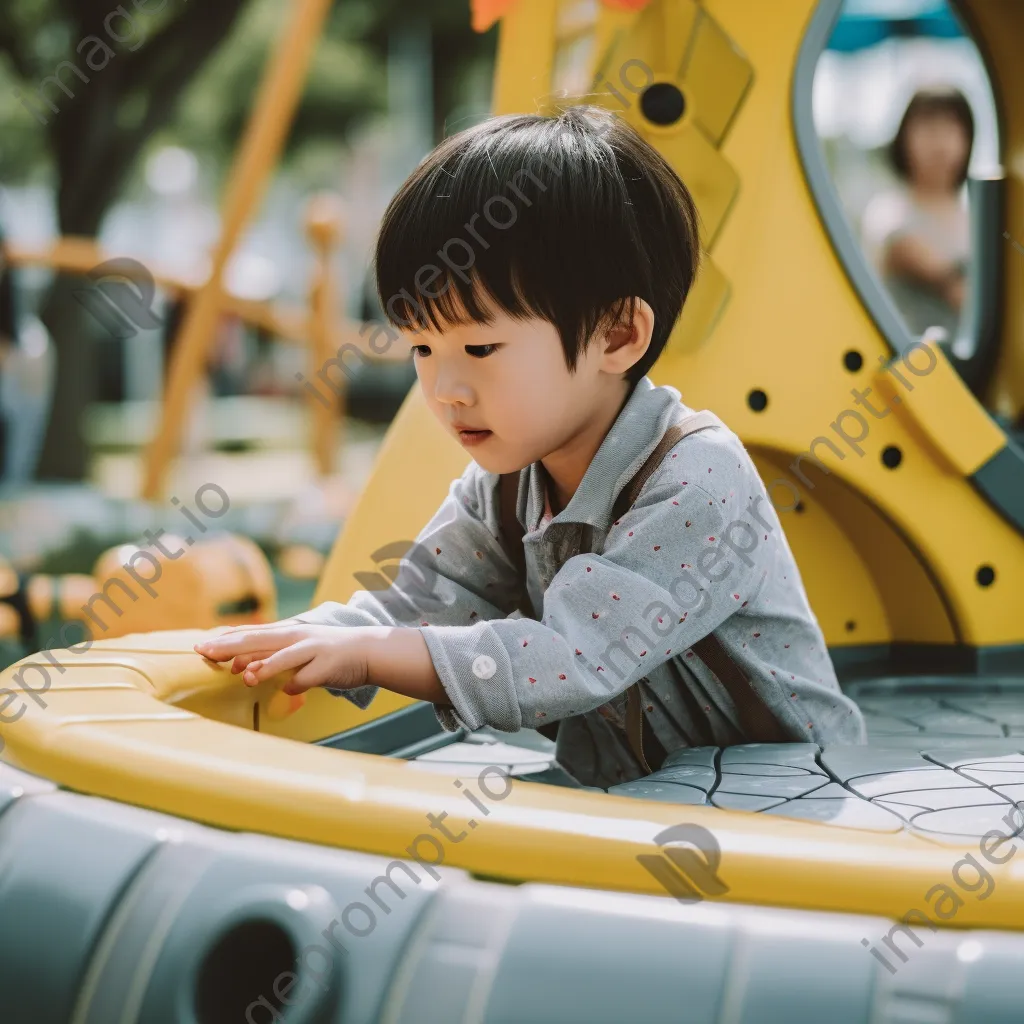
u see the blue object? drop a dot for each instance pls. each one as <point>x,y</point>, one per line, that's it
<point>866,23</point>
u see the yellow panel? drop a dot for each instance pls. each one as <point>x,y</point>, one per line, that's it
<point>679,19</point>
<point>701,310</point>
<point>708,175</point>
<point>840,590</point>
<point>791,318</point>
<point>941,409</point>
<point>872,588</point>
<point>715,77</point>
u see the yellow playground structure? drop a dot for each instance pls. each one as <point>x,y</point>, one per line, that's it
<point>210,811</point>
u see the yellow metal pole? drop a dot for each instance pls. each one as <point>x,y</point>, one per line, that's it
<point>256,158</point>
<point>324,220</point>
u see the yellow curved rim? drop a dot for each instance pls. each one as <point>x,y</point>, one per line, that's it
<point>145,721</point>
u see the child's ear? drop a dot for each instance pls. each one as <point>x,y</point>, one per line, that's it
<point>626,343</point>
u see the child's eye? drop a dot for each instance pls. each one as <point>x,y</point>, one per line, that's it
<point>480,351</point>
<point>421,350</point>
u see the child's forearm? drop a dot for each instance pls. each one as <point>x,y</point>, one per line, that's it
<point>397,659</point>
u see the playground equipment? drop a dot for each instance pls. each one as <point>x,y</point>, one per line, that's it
<point>843,890</point>
<point>222,580</point>
<point>320,328</point>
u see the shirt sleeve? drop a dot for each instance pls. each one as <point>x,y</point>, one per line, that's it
<point>454,574</point>
<point>678,564</point>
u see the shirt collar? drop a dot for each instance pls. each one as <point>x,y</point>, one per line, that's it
<point>636,432</point>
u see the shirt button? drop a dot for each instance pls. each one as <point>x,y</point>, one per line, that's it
<point>484,667</point>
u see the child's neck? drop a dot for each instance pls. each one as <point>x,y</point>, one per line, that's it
<point>566,467</point>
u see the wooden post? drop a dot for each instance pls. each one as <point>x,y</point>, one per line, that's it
<point>255,160</point>
<point>324,226</point>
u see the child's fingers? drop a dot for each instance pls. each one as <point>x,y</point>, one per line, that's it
<point>291,657</point>
<point>220,648</point>
<point>249,676</point>
<point>242,661</point>
<point>250,627</point>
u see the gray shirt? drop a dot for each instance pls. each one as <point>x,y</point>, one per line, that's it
<point>701,550</point>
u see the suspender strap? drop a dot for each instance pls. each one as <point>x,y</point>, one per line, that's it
<point>511,528</point>
<point>759,724</point>
<point>687,425</point>
<point>512,541</point>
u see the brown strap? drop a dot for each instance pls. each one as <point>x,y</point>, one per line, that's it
<point>675,433</point>
<point>635,725</point>
<point>643,740</point>
<point>759,724</point>
<point>511,528</point>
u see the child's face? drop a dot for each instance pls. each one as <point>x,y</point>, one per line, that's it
<point>504,392</point>
<point>936,149</point>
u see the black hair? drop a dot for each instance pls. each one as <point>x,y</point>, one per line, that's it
<point>565,217</point>
<point>926,103</point>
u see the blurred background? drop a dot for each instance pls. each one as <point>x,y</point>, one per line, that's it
<point>145,135</point>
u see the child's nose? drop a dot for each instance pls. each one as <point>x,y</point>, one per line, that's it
<point>451,389</point>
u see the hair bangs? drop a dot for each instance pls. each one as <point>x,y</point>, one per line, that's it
<point>566,218</point>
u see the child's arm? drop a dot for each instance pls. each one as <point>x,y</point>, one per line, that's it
<point>395,658</point>
<point>455,574</point>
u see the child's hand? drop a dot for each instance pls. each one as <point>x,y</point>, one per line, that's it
<point>241,661</point>
<point>318,655</point>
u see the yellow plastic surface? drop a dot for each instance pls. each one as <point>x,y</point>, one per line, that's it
<point>145,721</point>
<point>943,413</point>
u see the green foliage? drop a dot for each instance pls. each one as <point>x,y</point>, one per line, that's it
<point>346,85</point>
<point>339,88</point>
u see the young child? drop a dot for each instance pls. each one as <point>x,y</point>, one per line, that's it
<point>537,266</point>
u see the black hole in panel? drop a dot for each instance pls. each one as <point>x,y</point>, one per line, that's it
<point>662,103</point>
<point>241,968</point>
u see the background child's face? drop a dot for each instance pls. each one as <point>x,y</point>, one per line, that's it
<point>936,149</point>
<point>507,384</point>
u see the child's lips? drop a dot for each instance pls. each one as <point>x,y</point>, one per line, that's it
<point>473,437</point>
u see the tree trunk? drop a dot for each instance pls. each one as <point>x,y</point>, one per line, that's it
<point>94,157</point>
<point>65,451</point>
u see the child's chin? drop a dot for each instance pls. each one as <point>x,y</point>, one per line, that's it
<point>495,463</point>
